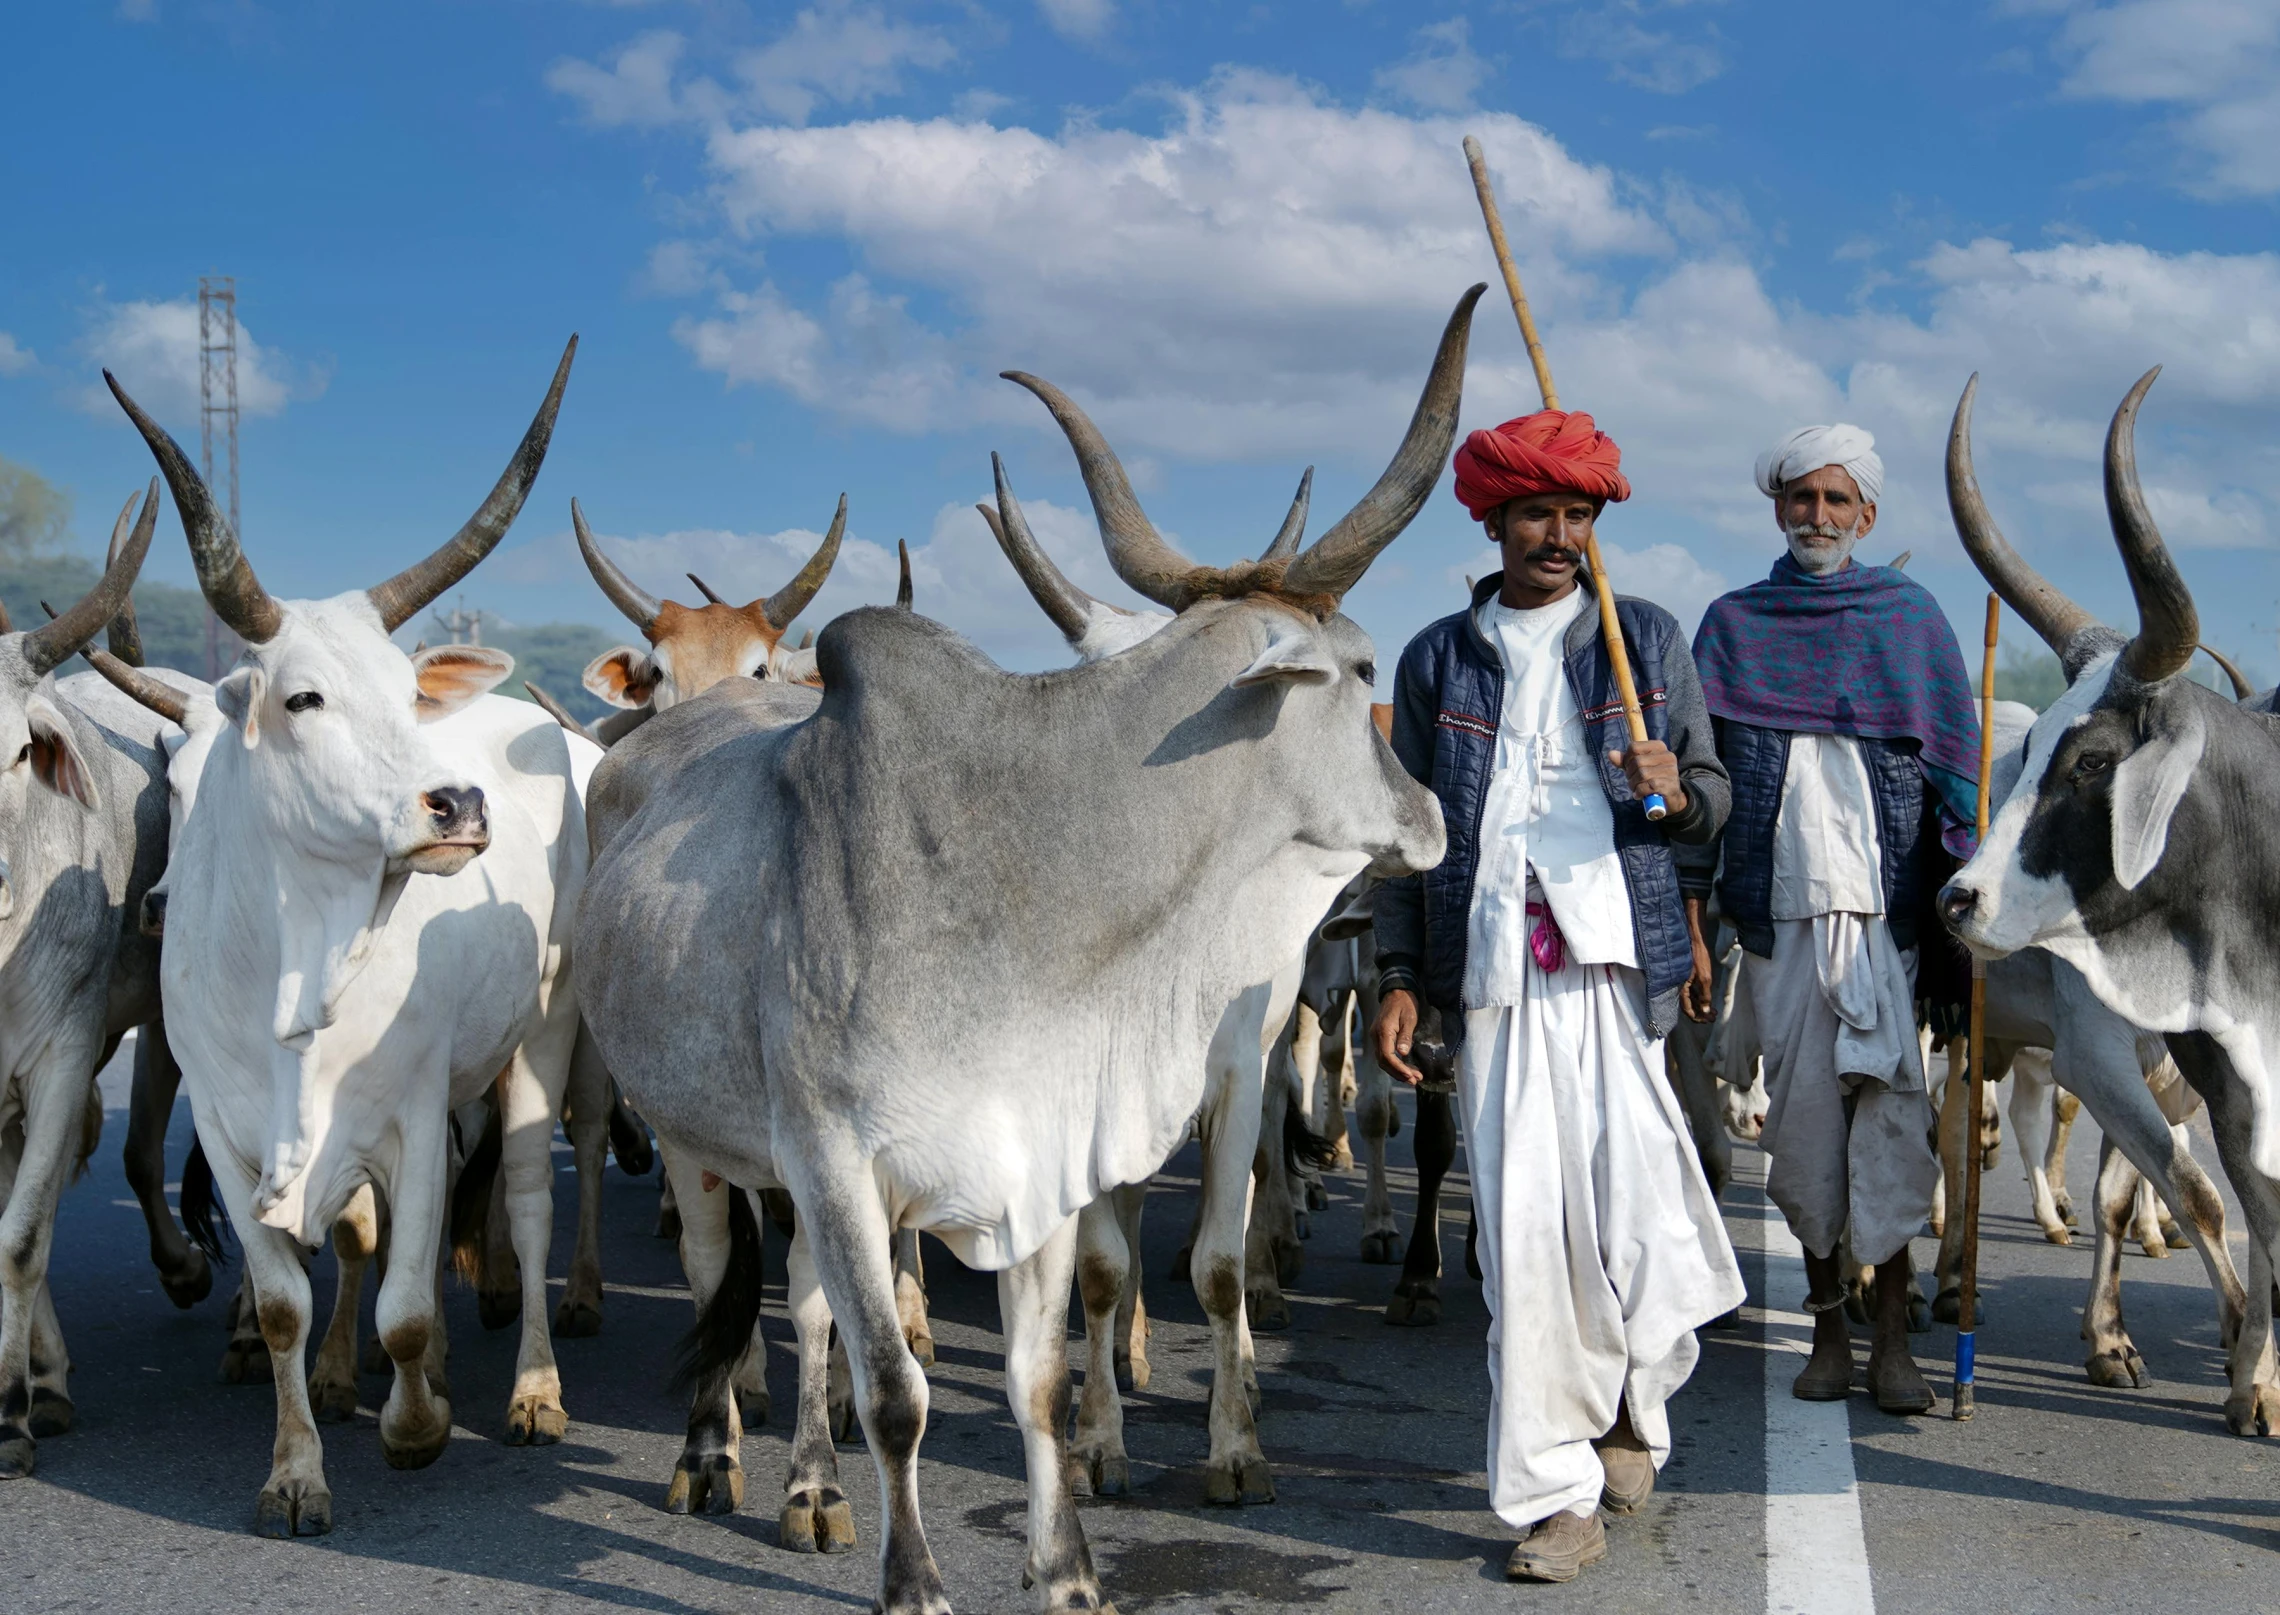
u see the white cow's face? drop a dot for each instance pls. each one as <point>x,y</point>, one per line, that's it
<point>42,768</point>
<point>328,713</point>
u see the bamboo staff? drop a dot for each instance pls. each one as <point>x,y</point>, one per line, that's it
<point>1967,1302</point>
<point>1610,628</point>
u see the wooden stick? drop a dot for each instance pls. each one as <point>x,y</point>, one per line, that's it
<point>1610,626</point>
<point>1967,1302</point>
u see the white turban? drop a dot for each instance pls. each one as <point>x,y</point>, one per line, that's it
<point>1811,447</point>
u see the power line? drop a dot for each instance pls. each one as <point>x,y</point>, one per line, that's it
<point>218,400</point>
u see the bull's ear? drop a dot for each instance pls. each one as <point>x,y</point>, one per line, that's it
<point>2148,785</point>
<point>623,677</point>
<point>1295,651</point>
<point>55,759</point>
<point>452,675</point>
<point>795,666</point>
<point>239,698</point>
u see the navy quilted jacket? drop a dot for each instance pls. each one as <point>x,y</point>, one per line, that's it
<point>1448,699</point>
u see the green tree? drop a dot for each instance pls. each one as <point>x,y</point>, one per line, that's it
<point>34,513</point>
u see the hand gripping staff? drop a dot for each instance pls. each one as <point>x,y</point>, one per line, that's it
<point>1618,654</point>
<point>1967,1303</point>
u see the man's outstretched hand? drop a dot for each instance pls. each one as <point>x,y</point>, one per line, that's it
<point>1393,1031</point>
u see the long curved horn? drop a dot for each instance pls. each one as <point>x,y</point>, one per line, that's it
<point>2168,626</point>
<point>2242,689</point>
<point>1069,606</point>
<point>163,699</point>
<point>224,574</point>
<point>45,647</point>
<point>903,594</point>
<point>6,627</point>
<point>1337,560</point>
<point>704,589</point>
<point>2049,613</point>
<point>792,599</point>
<point>557,711</point>
<point>1294,525</point>
<point>1137,551</point>
<point>408,593</point>
<point>1899,563</point>
<point>623,592</point>
<point>123,632</point>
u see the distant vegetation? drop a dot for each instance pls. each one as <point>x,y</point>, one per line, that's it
<point>2036,678</point>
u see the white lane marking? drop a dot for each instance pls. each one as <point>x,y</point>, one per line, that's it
<point>1816,1553</point>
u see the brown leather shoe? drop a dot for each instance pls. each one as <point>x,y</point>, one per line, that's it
<point>1558,1549</point>
<point>1630,1478</point>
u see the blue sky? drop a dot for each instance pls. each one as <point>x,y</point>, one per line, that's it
<point>799,242</point>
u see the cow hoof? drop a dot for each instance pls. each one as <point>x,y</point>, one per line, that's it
<point>2122,1370</point>
<point>498,1308</point>
<point>2057,1233</point>
<point>1302,1225</point>
<point>1856,1308</point>
<point>1097,1472</point>
<point>535,1422</point>
<point>922,1348</point>
<point>1249,1481</point>
<point>17,1454</point>
<point>1179,1273</point>
<point>1267,1311</point>
<point>1415,1306</point>
<point>752,1406</point>
<point>577,1320</point>
<point>1947,1307</point>
<point>715,1485</point>
<point>844,1429</point>
<point>1919,1316</point>
<point>816,1520</point>
<point>332,1400</point>
<point>2253,1412</point>
<point>245,1362</point>
<point>1290,1261</point>
<point>416,1449</point>
<point>191,1283</point>
<point>51,1414</point>
<point>297,1508</point>
<point>1381,1249</point>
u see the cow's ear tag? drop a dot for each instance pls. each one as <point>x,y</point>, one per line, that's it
<point>450,676</point>
<point>2148,785</point>
<point>624,677</point>
<point>239,698</point>
<point>1295,652</point>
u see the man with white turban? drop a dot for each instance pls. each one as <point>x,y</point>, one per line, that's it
<point>1845,719</point>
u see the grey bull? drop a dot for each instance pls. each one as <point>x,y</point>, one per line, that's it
<point>82,836</point>
<point>944,1006</point>
<point>2134,848</point>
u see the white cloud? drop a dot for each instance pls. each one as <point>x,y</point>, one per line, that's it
<point>1666,46</point>
<point>1442,74</point>
<point>1081,20</point>
<point>153,349</point>
<point>15,360</point>
<point>838,52</point>
<point>2218,61</point>
<point>636,89</point>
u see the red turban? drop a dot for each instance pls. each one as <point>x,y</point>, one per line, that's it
<point>1551,451</point>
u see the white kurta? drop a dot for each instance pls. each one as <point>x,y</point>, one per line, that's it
<point>1848,1121</point>
<point>1601,1248</point>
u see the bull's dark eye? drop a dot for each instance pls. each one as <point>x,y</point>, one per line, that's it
<point>2089,765</point>
<point>305,701</point>
<point>26,753</point>
<point>1366,672</point>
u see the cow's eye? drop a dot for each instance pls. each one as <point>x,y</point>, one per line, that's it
<point>1366,672</point>
<point>26,753</point>
<point>2091,764</point>
<point>305,701</point>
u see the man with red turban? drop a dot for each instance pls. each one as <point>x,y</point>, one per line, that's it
<point>1552,941</point>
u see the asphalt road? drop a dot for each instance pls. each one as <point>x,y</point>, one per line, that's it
<point>2058,1496</point>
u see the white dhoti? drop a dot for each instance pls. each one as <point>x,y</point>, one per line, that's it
<point>1849,1122</point>
<point>1601,1248</point>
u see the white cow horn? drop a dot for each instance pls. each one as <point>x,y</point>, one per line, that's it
<point>1137,551</point>
<point>224,574</point>
<point>788,602</point>
<point>1294,525</point>
<point>1069,606</point>
<point>623,592</point>
<point>2168,626</point>
<point>46,647</point>
<point>409,592</point>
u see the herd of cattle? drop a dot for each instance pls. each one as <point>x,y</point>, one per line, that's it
<point>388,929</point>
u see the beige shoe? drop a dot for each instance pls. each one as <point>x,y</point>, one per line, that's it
<point>1558,1549</point>
<point>1630,1478</point>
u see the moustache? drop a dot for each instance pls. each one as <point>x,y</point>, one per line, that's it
<point>1554,552</point>
<point>1828,530</point>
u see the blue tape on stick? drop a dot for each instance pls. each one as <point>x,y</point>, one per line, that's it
<point>1656,807</point>
<point>1966,1351</point>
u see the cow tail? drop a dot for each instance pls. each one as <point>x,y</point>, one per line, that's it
<point>724,1328</point>
<point>198,1205</point>
<point>1302,1145</point>
<point>471,1197</point>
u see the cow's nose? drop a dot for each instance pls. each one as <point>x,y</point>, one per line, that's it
<point>456,810</point>
<point>1956,903</point>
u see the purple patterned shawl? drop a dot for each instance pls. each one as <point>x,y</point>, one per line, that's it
<point>1864,651</point>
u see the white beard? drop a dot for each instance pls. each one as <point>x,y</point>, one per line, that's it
<point>1826,556</point>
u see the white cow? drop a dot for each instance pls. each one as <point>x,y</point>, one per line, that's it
<point>367,911</point>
